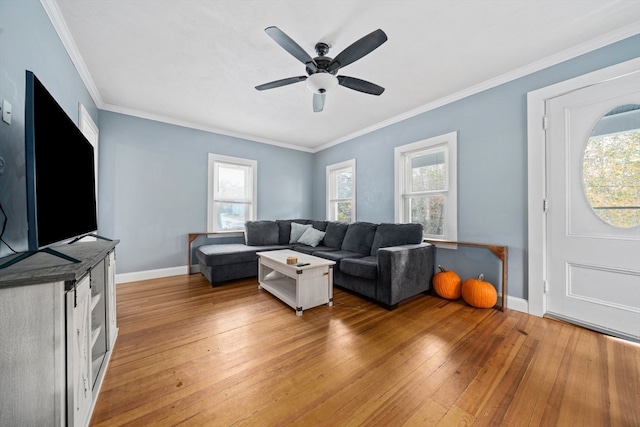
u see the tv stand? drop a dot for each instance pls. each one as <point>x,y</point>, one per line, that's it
<point>28,254</point>
<point>58,332</point>
<point>53,252</point>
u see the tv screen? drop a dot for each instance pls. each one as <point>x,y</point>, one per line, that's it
<point>61,191</point>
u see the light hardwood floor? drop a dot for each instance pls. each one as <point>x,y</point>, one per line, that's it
<point>188,354</point>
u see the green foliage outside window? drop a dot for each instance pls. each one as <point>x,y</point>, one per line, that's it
<point>611,174</point>
<point>428,174</point>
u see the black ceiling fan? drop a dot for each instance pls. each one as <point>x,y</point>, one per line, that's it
<point>322,70</point>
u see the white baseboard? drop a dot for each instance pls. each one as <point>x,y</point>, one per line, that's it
<point>150,274</point>
<point>517,304</point>
<point>513,303</point>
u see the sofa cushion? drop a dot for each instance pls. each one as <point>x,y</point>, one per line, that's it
<point>337,256</point>
<point>319,225</point>
<point>297,230</point>
<point>284,229</point>
<point>396,235</point>
<point>366,267</point>
<point>259,233</point>
<point>230,253</point>
<point>335,232</point>
<point>359,237</point>
<point>311,237</point>
<point>311,250</point>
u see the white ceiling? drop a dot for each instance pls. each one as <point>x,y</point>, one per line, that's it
<point>196,63</point>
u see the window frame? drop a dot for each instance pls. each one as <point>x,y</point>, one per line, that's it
<point>448,143</point>
<point>331,188</point>
<point>218,159</point>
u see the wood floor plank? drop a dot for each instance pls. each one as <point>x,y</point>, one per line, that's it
<point>502,351</point>
<point>531,396</point>
<point>192,355</point>
<point>623,365</point>
<point>428,414</point>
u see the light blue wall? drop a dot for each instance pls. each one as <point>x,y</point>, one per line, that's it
<point>492,165</point>
<point>153,186</point>
<point>28,41</point>
<point>153,175</point>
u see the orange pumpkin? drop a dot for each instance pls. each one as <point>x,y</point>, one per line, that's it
<point>447,284</point>
<point>478,293</point>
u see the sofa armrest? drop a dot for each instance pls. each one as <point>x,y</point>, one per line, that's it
<point>404,271</point>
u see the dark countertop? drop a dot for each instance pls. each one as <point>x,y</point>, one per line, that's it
<point>46,268</point>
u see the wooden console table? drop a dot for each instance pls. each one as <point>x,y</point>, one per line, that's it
<point>193,236</point>
<point>500,251</point>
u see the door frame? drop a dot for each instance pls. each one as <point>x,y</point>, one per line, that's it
<point>537,172</point>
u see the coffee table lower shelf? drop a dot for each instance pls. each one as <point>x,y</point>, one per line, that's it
<point>299,288</point>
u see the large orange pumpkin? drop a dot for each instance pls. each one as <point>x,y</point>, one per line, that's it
<point>447,284</point>
<point>478,293</point>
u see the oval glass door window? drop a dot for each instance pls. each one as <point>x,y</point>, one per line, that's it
<point>611,167</point>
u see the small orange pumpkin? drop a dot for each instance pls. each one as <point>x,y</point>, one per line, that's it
<point>478,293</point>
<point>447,284</point>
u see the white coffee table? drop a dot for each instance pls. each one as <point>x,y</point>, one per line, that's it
<point>299,287</point>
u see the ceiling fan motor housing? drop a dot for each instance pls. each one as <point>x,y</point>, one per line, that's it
<point>321,80</point>
<point>322,64</point>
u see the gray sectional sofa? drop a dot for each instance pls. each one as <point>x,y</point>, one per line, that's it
<point>385,263</point>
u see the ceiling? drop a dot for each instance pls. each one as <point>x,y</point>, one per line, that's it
<point>196,63</point>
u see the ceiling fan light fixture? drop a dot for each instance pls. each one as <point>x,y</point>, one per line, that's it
<point>321,82</point>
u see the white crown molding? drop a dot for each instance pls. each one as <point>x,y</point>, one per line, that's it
<point>573,52</point>
<point>191,125</point>
<point>53,12</point>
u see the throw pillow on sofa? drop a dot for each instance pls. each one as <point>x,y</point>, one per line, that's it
<point>284,225</point>
<point>261,233</point>
<point>311,237</point>
<point>297,230</point>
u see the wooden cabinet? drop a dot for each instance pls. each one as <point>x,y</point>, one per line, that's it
<point>57,331</point>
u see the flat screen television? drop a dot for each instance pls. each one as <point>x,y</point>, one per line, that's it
<point>60,172</point>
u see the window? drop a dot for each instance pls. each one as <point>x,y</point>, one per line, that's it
<point>341,191</point>
<point>611,167</point>
<point>426,185</point>
<point>232,193</point>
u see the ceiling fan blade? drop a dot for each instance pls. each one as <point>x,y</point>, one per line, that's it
<point>358,49</point>
<point>318,102</point>
<point>282,82</point>
<point>292,47</point>
<point>360,85</point>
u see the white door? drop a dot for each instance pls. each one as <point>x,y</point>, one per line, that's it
<point>90,130</point>
<point>593,207</point>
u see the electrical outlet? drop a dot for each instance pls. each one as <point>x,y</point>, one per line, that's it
<point>6,112</point>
